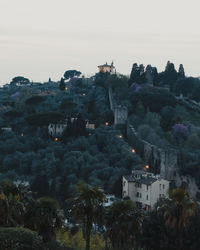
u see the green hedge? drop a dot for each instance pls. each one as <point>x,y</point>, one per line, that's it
<point>18,238</point>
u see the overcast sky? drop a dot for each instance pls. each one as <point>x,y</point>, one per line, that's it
<point>43,38</point>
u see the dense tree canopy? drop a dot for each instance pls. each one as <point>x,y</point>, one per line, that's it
<point>71,73</point>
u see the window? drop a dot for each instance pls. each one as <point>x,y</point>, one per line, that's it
<point>138,185</point>
<point>160,186</point>
<point>147,187</point>
<point>124,183</point>
<point>160,195</point>
<point>140,195</point>
<point>147,197</point>
<point>137,194</point>
<point>163,186</point>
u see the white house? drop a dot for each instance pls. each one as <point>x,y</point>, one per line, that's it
<point>110,198</point>
<point>56,129</point>
<point>8,129</point>
<point>144,188</point>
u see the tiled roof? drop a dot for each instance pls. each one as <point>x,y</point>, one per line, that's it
<point>143,180</point>
<point>105,65</point>
<point>147,181</point>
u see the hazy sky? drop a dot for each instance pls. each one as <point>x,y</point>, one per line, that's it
<point>43,38</point>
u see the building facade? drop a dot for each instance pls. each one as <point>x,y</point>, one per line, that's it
<point>107,68</point>
<point>56,130</point>
<point>144,188</point>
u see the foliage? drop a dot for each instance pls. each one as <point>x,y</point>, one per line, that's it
<point>168,117</point>
<point>44,118</point>
<point>180,132</point>
<point>47,218</point>
<point>88,208</point>
<point>62,84</point>
<point>19,239</point>
<point>169,76</point>
<point>19,80</point>
<point>177,212</point>
<point>77,241</point>
<point>123,224</point>
<point>186,86</point>
<point>12,203</point>
<point>71,73</point>
<point>153,98</point>
<point>34,100</point>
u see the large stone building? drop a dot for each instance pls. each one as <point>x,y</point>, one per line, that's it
<point>107,68</point>
<point>144,188</point>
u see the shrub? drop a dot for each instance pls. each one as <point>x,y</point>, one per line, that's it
<point>180,132</point>
<point>19,239</point>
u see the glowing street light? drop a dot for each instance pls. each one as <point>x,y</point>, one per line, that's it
<point>133,150</point>
<point>147,167</point>
<point>56,139</point>
<point>106,123</point>
<point>83,94</point>
<point>120,136</point>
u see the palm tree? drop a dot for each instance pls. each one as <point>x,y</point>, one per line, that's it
<point>13,200</point>
<point>88,208</point>
<point>177,211</point>
<point>123,224</point>
<point>45,217</point>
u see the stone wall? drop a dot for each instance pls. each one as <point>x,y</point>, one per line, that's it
<point>120,112</point>
<point>161,161</point>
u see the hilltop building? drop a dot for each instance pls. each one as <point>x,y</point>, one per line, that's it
<point>107,68</point>
<point>144,188</point>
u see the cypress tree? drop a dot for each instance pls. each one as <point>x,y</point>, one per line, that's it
<point>181,71</point>
<point>62,84</point>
